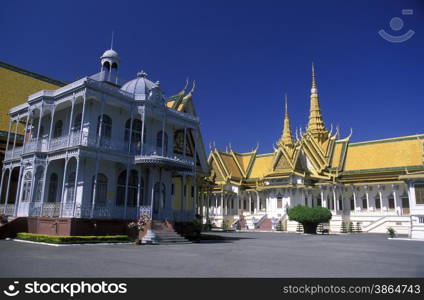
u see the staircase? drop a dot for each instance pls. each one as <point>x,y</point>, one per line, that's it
<point>166,235</point>
<point>264,225</point>
<point>252,220</point>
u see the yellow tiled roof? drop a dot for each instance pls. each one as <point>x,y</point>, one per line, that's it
<point>261,165</point>
<point>231,165</point>
<point>388,153</point>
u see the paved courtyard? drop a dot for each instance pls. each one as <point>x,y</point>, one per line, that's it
<point>241,255</point>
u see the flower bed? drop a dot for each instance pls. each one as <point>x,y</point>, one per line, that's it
<point>34,237</point>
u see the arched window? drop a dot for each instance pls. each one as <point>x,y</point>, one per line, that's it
<point>159,143</point>
<point>51,197</point>
<point>105,123</point>
<point>319,201</point>
<point>419,193</point>
<point>77,123</point>
<point>101,189</point>
<point>57,132</point>
<point>26,187</point>
<point>39,178</point>
<point>70,188</point>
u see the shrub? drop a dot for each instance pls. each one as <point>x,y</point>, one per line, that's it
<point>351,228</point>
<point>71,239</point>
<point>309,217</point>
<point>391,232</point>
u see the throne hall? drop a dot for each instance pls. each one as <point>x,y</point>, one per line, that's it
<point>376,184</point>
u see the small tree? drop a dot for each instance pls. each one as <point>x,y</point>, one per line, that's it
<point>391,232</point>
<point>351,228</point>
<point>309,217</point>
<point>343,228</point>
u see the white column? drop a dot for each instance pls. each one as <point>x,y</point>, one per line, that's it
<point>8,133</point>
<point>131,131</point>
<point>354,200</point>
<point>62,196</point>
<point>51,126</point>
<point>250,202</point>
<point>70,120</point>
<point>139,191</point>
<point>394,187</point>
<point>14,138</point>
<point>76,187</point>
<point>7,190</point>
<point>222,204</point>
<point>126,191</point>
<point>18,191</point>
<point>163,133</point>
<point>39,123</point>
<point>323,201</point>
<point>368,200</point>
<point>142,133</point>
<point>43,187</point>
<point>82,116</point>
<point>26,132</point>
<point>335,204</point>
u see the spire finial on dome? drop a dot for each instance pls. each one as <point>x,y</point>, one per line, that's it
<point>285,106</point>
<point>141,74</point>
<point>314,89</point>
<point>111,42</point>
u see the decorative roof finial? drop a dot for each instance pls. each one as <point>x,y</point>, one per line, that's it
<point>314,88</point>
<point>142,74</point>
<point>286,137</point>
<point>194,85</point>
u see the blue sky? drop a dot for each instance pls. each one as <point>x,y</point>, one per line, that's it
<point>244,57</point>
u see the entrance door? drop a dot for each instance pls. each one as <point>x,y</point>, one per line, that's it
<point>405,206</point>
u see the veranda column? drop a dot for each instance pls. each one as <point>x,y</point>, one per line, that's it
<point>163,133</point>
<point>83,115</point>
<point>74,201</point>
<point>7,190</point>
<point>354,199</point>
<point>126,191</point>
<point>43,188</point>
<point>93,202</point>
<point>195,170</point>
<point>222,204</point>
<point>18,191</point>
<point>258,202</point>
<point>70,120</point>
<point>14,138</point>
<point>335,204</point>
<point>367,196</point>
<point>62,197</point>
<point>26,132</point>
<point>8,134</point>
<point>131,131</point>
<point>394,188</point>
<point>51,126</point>
<point>323,201</point>
<point>142,133</point>
<point>250,202</point>
<point>39,124</point>
<point>139,191</point>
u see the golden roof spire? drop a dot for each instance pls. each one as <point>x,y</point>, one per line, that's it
<point>182,92</point>
<point>316,124</point>
<point>286,138</point>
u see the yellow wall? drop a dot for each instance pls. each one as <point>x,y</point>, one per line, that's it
<point>14,90</point>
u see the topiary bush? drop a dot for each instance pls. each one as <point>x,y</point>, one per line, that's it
<point>309,217</point>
